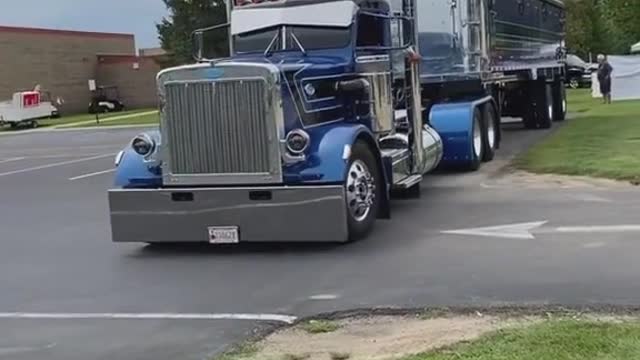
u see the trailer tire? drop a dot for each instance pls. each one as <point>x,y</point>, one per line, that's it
<point>363,186</point>
<point>477,143</point>
<point>545,110</point>
<point>559,101</point>
<point>490,131</point>
<point>539,112</point>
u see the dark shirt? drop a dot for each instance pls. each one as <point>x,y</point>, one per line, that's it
<point>604,71</point>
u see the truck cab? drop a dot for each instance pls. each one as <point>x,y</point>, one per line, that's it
<point>301,134</point>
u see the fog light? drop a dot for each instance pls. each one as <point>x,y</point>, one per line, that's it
<point>297,141</point>
<point>143,145</point>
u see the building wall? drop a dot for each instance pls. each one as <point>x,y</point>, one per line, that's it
<point>62,62</point>
<point>134,76</point>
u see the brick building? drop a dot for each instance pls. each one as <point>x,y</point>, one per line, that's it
<point>63,62</point>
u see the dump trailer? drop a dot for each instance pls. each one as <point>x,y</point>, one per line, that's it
<point>326,108</point>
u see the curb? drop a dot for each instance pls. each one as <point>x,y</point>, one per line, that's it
<point>263,330</point>
<point>105,120</point>
<point>92,128</point>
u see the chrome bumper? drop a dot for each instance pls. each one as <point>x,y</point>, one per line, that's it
<point>291,214</point>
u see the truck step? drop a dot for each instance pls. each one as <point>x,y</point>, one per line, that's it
<point>408,182</point>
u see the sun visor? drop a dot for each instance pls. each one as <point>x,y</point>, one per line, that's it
<point>337,14</point>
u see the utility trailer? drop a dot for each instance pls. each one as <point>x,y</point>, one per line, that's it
<point>27,107</point>
<point>324,109</point>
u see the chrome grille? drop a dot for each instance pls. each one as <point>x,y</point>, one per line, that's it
<point>218,127</point>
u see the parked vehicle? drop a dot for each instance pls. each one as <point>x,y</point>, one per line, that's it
<point>578,72</point>
<point>26,108</point>
<point>325,108</point>
<point>106,99</point>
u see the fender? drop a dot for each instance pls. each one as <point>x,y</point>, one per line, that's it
<point>329,155</point>
<point>454,124</point>
<point>134,171</point>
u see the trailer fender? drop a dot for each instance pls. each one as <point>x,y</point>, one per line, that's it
<point>330,154</point>
<point>454,124</point>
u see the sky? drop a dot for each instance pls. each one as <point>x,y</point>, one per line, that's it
<point>136,17</point>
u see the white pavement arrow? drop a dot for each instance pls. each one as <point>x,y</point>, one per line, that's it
<point>525,230</point>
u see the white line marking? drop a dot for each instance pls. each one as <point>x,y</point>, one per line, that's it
<point>54,165</point>
<point>324,297</point>
<point>511,231</point>
<point>148,316</point>
<point>594,245</point>
<point>11,160</point>
<point>598,229</point>
<point>92,174</point>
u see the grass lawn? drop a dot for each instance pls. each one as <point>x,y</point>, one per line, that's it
<point>148,119</point>
<point>598,140</point>
<point>550,340</point>
<point>84,118</point>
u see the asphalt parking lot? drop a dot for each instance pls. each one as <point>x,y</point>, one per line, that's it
<point>69,293</point>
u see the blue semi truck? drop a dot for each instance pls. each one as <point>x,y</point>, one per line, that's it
<point>325,108</point>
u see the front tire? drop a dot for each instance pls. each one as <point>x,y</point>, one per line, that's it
<point>363,187</point>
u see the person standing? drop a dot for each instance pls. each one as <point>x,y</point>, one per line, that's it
<point>604,78</point>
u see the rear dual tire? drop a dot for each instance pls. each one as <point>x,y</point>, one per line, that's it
<point>559,96</point>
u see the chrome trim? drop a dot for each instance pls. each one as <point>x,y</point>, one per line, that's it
<point>230,73</point>
<point>302,133</point>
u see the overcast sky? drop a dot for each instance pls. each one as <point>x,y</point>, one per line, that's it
<point>126,16</point>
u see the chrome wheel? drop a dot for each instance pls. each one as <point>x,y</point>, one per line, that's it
<point>574,84</point>
<point>361,190</point>
<point>477,137</point>
<point>550,110</point>
<point>564,106</point>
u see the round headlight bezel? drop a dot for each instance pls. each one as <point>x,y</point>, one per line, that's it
<point>297,135</point>
<point>145,138</point>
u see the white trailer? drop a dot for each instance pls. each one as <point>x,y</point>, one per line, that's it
<point>26,108</point>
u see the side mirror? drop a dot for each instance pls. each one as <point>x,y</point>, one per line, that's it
<point>211,43</point>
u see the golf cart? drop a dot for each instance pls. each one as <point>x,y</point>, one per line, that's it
<point>105,99</point>
<point>27,107</point>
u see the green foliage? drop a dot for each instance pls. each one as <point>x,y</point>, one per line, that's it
<point>185,16</point>
<point>550,340</point>
<point>602,26</point>
<point>320,326</point>
<point>598,140</point>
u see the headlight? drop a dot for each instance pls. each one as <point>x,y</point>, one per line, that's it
<point>143,145</point>
<point>297,141</point>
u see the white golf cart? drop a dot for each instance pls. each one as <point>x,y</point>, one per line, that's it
<point>26,108</point>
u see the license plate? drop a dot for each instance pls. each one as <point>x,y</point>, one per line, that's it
<point>224,235</point>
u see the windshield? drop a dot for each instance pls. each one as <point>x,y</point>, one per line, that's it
<point>310,38</point>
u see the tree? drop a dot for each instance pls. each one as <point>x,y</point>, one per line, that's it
<point>602,26</point>
<point>185,16</point>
